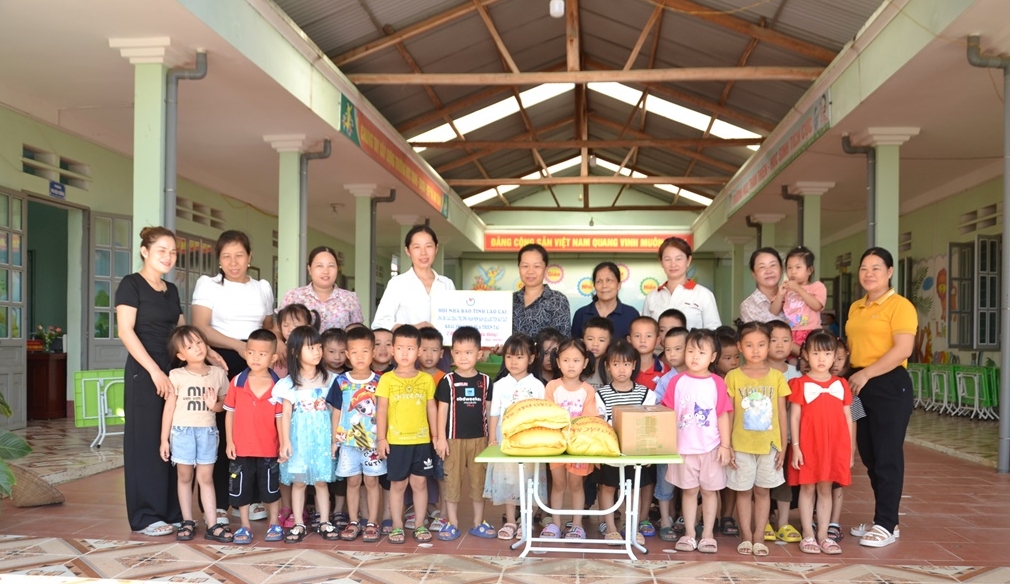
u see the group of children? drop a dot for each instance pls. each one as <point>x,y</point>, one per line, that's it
<point>362,408</point>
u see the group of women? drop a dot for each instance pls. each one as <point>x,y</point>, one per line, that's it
<point>229,306</point>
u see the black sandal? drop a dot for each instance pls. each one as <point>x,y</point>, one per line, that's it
<point>218,532</point>
<point>729,527</point>
<point>186,530</point>
<point>296,534</point>
<point>327,531</point>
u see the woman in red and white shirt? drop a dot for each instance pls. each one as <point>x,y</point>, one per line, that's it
<point>694,300</point>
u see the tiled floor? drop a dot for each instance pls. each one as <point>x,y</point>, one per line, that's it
<point>954,527</point>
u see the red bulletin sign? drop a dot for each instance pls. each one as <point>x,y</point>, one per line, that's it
<point>632,242</point>
<point>376,145</point>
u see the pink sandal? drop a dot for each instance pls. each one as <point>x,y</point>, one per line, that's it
<point>285,518</point>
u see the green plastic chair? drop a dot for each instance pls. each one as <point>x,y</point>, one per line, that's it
<point>943,388</point>
<point>972,391</point>
<point>993,393</point>
<point>98,401</point>
<point>919,372</point>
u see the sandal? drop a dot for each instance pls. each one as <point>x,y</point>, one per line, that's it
<point>286,518</point>
<point>830,546</point>
<point>760,550</point>
<point>409,518</point>
<point>667,534</point>
<point>186,530</point>
<point>708,546</point>
<point>745,548</point>
<point>788,534</point>
<point>340,520</point>
<point>257,512</point>
<point>327,531</point>
<point>861,530</point>
<point>835,532</point>
<point>809,546</point>
<point>552,531</point>
<point>449,533</point>
<point>218,532</point>
<point>274,533</point>
<point>614,538</point>
<point>769,532</point>
<point>686,544</point>
<point>576,532</point>
<point>243,536</point>
<point>351,531</point>
<point>437,524</point>
<point>877,537</point>
<point>222,516</point>
<point>156,529</point>
<point>371,533</point>
<point>386,527</point>
<point>728,526</point>
<point>507,531</point>
<point>646,528</point>
<point>485,530</point>
<point>421,534</point>
<point>396,536</point>
<point>296,534</point>
<point>679,527</point>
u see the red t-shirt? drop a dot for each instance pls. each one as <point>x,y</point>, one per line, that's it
<point>254,424</point>
<point>650,377</point>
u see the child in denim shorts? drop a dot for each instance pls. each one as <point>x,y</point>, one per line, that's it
<point>189,429</point>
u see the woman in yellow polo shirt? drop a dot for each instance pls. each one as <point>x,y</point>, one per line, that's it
<point>881,331</point>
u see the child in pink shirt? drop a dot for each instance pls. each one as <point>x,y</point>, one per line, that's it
<point>703,436</point>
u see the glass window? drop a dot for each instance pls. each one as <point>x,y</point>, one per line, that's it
<point>102,325</point>
<point>103,231</point>
<point>15,322</point>
<point>16,286</point>
<point>16,215</point>
<point>102,263</point>
<point>16,250</point>
<point>4,252</point>
<point>122,266</point>
<point>103,294</point>
<point>3,285</point>
<point>121,233</point>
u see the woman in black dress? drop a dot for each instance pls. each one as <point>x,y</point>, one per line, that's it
<point>147,310</point>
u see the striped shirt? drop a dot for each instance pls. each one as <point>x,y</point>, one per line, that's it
<point>638,396</point>
<point>468,400</point>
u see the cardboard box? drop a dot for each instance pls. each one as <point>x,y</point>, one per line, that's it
<point>646,430</point>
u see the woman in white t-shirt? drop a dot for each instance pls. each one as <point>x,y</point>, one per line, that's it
<point>695,301</point>
<point>227,308</point>
<point>407,299</point>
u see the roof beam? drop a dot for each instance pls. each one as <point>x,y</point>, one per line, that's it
<point>589,180</point>
<point>510,64</point>
<point>463,161</point>
<point>750,29</point>
<point>521,144</point>
<point>454,13</point>
<point>681,75</point>
<point>573,43</point>
<point>713,162</point>
<point>695,208</point>
<point>702,103</point>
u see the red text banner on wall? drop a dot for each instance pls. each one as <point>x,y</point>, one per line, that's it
<point>373,142</point>
<point>611,242</point>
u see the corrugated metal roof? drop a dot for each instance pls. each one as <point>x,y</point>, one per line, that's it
<point>609,31</point>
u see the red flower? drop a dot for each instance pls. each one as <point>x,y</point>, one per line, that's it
<point>690,284</point>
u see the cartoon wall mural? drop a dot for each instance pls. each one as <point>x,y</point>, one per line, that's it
<point>487,278</point>
<point>929,296</point>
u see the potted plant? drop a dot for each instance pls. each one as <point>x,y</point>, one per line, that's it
<point>12,447</point>
<point>48,335</point>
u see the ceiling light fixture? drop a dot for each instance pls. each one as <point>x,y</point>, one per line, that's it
<point>557,8</point>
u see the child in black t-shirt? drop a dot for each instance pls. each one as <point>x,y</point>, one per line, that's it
<point>463,397</point>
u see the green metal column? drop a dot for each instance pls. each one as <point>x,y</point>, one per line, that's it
<point>290,272</point>
<point>149,83</point>
<point>812,229</point>
<point>886,230</point>
<point>740,269</point>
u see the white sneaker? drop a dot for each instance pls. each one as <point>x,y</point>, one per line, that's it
<point>861,529</point>
<point>257,511</point>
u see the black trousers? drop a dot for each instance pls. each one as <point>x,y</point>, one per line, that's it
<point>236,364</point>
<point>880,437</point>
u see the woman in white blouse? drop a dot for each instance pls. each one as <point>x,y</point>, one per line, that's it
<point>226,308</point>
<point>694,300</point>
<point>407,299</point>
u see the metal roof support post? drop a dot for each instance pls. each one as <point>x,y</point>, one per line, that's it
<point>976,58</point>
<point>799,212</point>
<point>303,203</point>
<point>172,130</point>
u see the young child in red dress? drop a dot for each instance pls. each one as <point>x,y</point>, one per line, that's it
<point>821,422</point>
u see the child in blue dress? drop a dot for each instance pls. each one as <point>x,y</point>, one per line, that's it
<point>306,429</point>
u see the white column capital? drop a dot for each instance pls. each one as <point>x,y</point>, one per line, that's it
<point>363,190</point>
<point>884,136</point>
<point>286,142</point>
<point>405,220</point>
<point>808,188</point>
<point>766,218</point>
<point>739,239</point>
<point>148,50</point>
